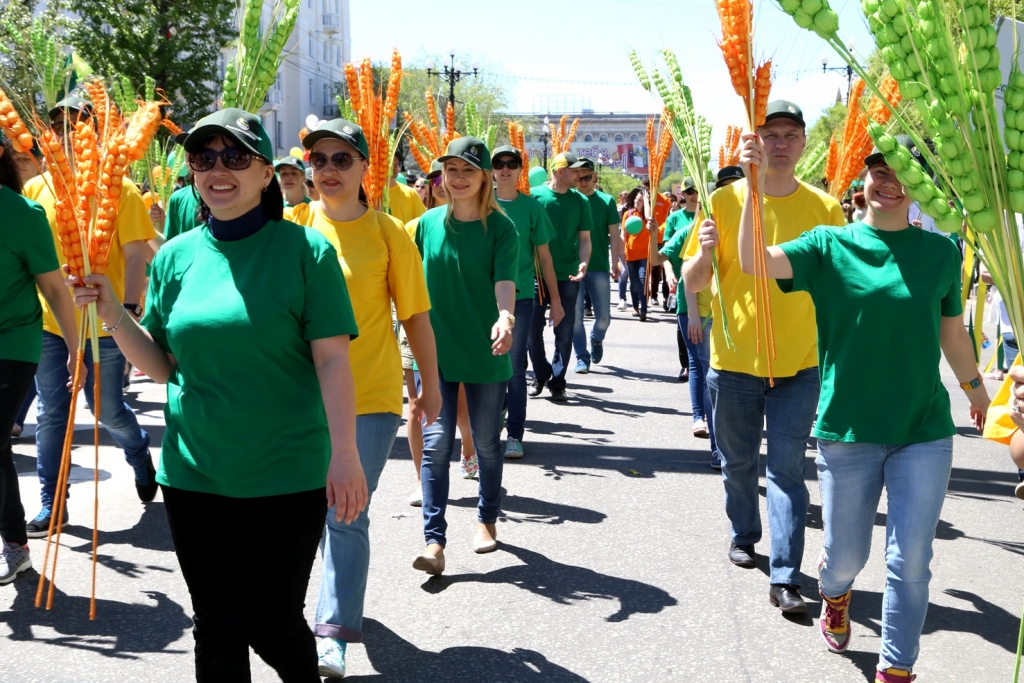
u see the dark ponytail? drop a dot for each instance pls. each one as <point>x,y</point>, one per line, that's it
<point>9,177</point>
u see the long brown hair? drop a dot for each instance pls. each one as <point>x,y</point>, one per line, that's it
<point>486,201</point>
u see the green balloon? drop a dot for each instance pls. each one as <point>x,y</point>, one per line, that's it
<point>401,179</point>
<point>634,225</point>
<point>538,176</point>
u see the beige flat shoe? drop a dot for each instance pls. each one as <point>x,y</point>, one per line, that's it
<point>486,540</point>
<point>431,564</point>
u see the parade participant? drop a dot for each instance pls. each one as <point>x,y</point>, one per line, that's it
<point>470,257</point>
<point>382,267</point>
<point>876,429</point>
<point>741,394</point>
<point>421,188</point>
<point>27,259</point>
<point>535,232</point>
<point>403,202</point>
<point>603,265</point>
<point>314,196</point>
<point>126,270</point>
<point>248,324</point>
<point>636,249</point>
<point>678,221</point>
<point>291,174</point>
<point>687,211</point>
<point>571,217</point>
<point>728,175</point>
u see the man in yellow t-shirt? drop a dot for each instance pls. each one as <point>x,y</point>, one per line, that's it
<point>126,268</point>
<point>740,379</point>
<point>404,202</point>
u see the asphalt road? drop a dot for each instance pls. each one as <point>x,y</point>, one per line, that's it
<point>612,564</point>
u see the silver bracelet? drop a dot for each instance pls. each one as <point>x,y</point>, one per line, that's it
<point>112,330</point>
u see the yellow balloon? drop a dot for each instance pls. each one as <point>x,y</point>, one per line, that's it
<point>295,152</point>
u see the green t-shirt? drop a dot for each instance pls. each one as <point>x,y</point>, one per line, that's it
<point>244,413</point>
<point>462,262</point>
<point>182,212</point>
<point>673,251</point>
<point>677,221</point>
<point>879,298</point>
<point>604,212</point>
<point>570,215</point>
<point>26,250</point>
<point>534,228</point>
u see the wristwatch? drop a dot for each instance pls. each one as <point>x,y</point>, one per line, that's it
<point>511,318</point>
<point>973,384</point>
<point>134,309</point>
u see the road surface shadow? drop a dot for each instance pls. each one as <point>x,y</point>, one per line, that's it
<point>121,630</point>
<point>535,510</point>
<point>149,533</point>
<point>565,584</point>
<point>396,660</point>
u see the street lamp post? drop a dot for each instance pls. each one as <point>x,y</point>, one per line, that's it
<point>453,74</point>
<point>544,139</point>
<point>848,70</point>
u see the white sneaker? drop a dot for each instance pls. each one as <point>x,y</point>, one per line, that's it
<point>14,559</point>
<point>469,467</point>
<point>513,449</point>
<point>416,499</point>
<point>331,654</point>
<point>622,305</point>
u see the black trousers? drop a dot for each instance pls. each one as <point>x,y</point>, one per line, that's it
<point>684,354</point>
<point>15,379</point>
<point>247,562</point>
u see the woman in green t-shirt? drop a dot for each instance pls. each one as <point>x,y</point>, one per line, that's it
<point>28,259</point>
<point>248,322</point>
<point>470,256</point>
<point>886,295</point>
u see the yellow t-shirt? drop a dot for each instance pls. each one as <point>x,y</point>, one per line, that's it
<point>796,334</point>
<point>998,425</point>
<point>381,266</point>
<point>405,203</point>
<point>299,214</point>
<point>410,228</point>
<point>132,225</point>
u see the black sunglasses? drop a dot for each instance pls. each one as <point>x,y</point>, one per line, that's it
<point>340,160</point>
<point>585,178</point>
<point>510,164</point>
<point>234,159</point>
<point>689,192</point>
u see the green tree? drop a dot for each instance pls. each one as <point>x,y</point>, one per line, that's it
<point>613,181</point>
<point>177,43</point>
<point>20,74</point>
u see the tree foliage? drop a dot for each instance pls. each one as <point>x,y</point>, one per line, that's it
<point>20,75</point>
<point>177,43</point>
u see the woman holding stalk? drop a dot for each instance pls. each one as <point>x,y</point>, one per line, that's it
<point>880,276</point>
<point>470,257</point>
<point>28,259</point>
<point>248,323</point>
<point>382,267</point>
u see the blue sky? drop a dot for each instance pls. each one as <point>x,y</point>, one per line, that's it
<point>555,48</point>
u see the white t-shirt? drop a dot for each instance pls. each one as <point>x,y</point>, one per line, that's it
<point>927,222</point>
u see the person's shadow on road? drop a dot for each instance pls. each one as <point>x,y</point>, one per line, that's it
<point>565,584</point>
<point>397,660</point>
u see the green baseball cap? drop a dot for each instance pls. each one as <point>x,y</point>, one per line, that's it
<point>471,150</point>
<point>339,129</point>
<point>586,164</point>
<point>783,109</point>
<point>244,128</point>
<point>294,162</point>
<point>180,138</point>
<point>688,184</point>
<point>309,174</point>
<point>436,169</point>
<point>506,150</point>
<point>71,104</point>
<point>728,174</point>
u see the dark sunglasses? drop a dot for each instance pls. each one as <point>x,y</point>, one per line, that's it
<point>586,178</point>
<point>689,193</point>
<point>234,159</point>
<point>340,160</point>
<point>309,183</point>
<point>436,181</point>
<point>510,164</point>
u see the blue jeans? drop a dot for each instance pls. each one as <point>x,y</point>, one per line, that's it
<point>623,282</point>
<point>700,363</point>
<point>637,281</point>
<point>346,547</point>
<point>915,477</point>
<point>484,402</point>
<point>554,372</point>
<point>54,404</point>
<point>515,400</point>
<point>598,286</point>
<point>741,404</point>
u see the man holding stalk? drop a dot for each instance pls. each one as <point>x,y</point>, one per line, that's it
<point>743,395</point>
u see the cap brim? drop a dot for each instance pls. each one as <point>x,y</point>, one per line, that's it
<point>197,136</point>
<point>495,157</point>
<point>786,115</point>
<point>578,164</point>
<point>874,158</point>
<point>472,163</point>
<point>289,165</point>
<point>318,135</point>
<point>180,138</point>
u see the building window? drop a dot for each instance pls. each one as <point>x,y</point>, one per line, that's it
<point>337,55</point>
<point>618,137</point>
<point>309,3</point>
<point>327,94</point>
<point>280,134</point>
<point>588,137</point>
<point>633,137</point>
<point>327,53</point>
<point>277,81</point>
<point>603,138</point>
<point>310,44</point>
<point>312,95</point>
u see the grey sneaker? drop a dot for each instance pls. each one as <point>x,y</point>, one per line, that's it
<point>39,526</point>
<point>513,449</point>
<point>14,559</point>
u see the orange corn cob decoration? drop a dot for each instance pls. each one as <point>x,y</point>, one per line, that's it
<point>449,122</point>
<point>171,126</point>
<point>303,132</point>
<point>432,109</point>
<point>66,216</point>
<point>856,143</point>
<point>394,83</point>
<point>352,81</point>
<point>517,139</point>
<point>877,111</point>
<point>142,126</point>
<point>86,159</point>
<point>832,160</point>
<point>101,106</point>
<point>13,126</point>
<point>762,88</point>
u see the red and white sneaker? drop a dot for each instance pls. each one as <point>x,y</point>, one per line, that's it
<point>835,622</point>
<point>891,675</point>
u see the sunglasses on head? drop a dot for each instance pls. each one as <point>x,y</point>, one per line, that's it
<point>340,160</point>
<point>586,178</point>
<point>436,181</point>
<point>233,158</point>
<point>510,164</point>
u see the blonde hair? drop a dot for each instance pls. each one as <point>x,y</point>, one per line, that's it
<point>486,202</point>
